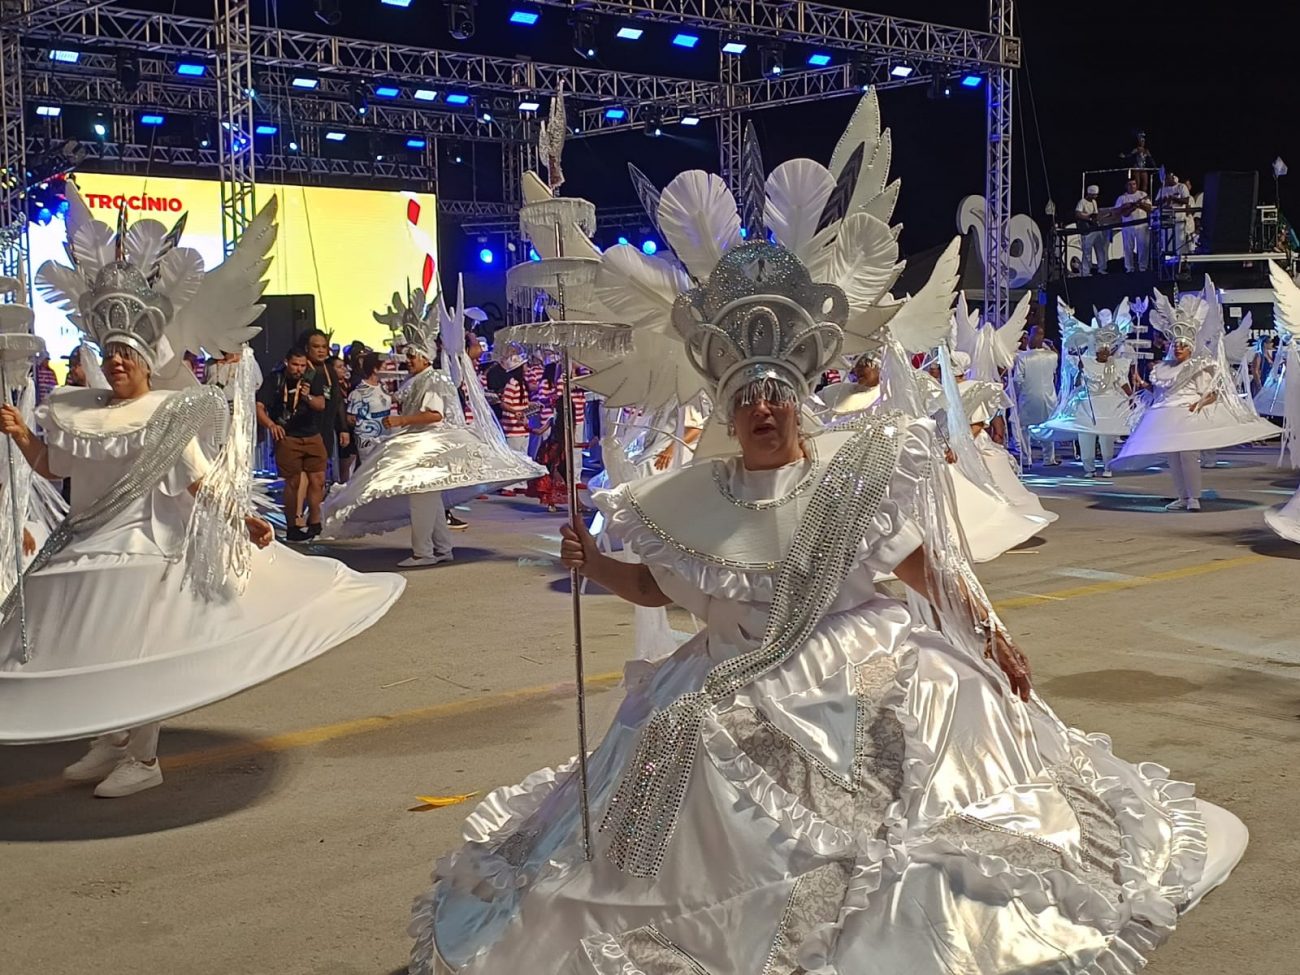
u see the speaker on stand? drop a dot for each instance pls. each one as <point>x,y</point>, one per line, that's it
<point>286,317</point>
<point>1228,212</point>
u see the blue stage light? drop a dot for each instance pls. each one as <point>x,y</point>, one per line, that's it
<point>525,18</point>
<point>649,247</point>
<point>622,240</point>
<point>304,82</point>
<point>189,69</point>
<point>486,255</point>
<point>734,47</point>
<point>533,255</point>
<point>686,40</point>
<point>335,136</point>
<point>629,33</point>
<point>616,114</point>
<point>690,120</point>
<point>417,143</point>
<point>44,216</point>
<point>151,120</point>
<point>425,95</point>
<point>62,208</point>
<point>457,98</point>
<point>901,70</point>
<point>971,81</point>
<point>387,91</point>
<point>266,130</point>
<point>65,57</point>
<point>396,3</point>
<point>819,60</point>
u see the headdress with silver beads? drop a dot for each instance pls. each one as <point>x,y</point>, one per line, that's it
<point>1196,314</point>
<point>764,288</point>
<point>136,286</point>
<point>414,324</point>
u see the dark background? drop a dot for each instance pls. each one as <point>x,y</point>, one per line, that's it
<point>1210,87</point>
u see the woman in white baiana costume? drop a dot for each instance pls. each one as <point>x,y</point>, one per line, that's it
<point>432,457</point>
<point>161,591</point>
<point>1286,315</point>
<point>1097,400</point>
<point>826,779</point>
<point>1195,404</point>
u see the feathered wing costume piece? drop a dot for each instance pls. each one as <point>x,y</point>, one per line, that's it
<point>460,367</point>
<point>1286,316</point>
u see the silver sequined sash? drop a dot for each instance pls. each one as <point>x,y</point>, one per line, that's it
<point>173,425</point>
<point>643,812</point>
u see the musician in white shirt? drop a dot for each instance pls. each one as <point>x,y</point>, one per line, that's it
<point>1096,242</point>
<point>1173,199</point>
<point>1135,207</point>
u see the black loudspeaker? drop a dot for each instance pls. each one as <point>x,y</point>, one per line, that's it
<point>286,317</point>
<point>1228,213</point>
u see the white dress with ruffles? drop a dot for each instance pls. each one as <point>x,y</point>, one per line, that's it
<point>116,640</point>
<point>1285,521</point>
<point>876,805</point>
<point>450,457</point>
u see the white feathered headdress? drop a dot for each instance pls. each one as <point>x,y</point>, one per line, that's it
<point>414,325</point>
<point>137,286</point>
<point>1197,319</point>
<point>775,285</point>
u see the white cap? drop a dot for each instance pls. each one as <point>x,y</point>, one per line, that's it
<point>1093,188</point>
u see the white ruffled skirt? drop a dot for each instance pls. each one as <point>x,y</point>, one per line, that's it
<point>1002,467</point>
<point>452,460</point>
<point>1171,429</point>
<point>1271,398</point>
<point>991,526</point>
<point>116,642</point>
<point>1285,520</point>
<point>881,808</point>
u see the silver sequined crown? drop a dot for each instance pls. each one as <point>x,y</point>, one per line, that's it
<point>760,316</point>
<point>414,325</point>
<point>120,307</point>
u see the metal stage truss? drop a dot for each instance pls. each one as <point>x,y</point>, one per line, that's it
<point>270,59</point>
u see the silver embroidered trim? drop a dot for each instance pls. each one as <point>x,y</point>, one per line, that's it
<point>642,814</point>
<point>655,954</point>
<point>664,536</point>
<point>815,899</point>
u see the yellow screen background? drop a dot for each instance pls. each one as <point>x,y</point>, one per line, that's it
<point>350,248</point>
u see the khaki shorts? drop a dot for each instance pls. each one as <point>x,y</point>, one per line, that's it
<point>300,455</point>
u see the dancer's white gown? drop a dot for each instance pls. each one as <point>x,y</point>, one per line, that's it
<point>451,457</point>
<point>1286,519</point>
<point>876,805</point>
<point>116,640</point>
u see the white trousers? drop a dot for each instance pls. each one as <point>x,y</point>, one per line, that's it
<point>1088,450</point>
<point>430,536</point>
<point>1209,458</point>
<point>1185,466</point>
<point>1096,250</point>
<point>1136,245</point>
<point>141,743</point>
<point>518,443</point>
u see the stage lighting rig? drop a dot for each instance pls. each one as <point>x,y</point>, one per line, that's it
<point>653,116</point>
<point>359,94</point>
<point>940,84</point>
<point>584,34</point>
<point>862,73</point>
<point>772,60</point>
<point>128,72</point>
<point>461,19</point>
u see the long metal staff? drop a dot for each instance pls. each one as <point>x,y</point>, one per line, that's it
<point>15,512</point>
<point>575,577</point>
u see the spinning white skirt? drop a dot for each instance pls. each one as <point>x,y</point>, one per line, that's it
<point>1286,519</point>
<point>1172,428</point>
<point>441,457</point>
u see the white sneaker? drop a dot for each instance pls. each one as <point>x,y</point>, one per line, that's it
<point>419,562</point>
<point>1089,474</point>
<point>1193,504</point>
<point>1179,505</point>
<point>102,758</point>
<point>130,776</point>
<point>1107,473</point>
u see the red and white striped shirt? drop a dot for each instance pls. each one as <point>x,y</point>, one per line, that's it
<point>533,373</point>
<point>464,405</point>
<point>514,397</point>
<point>578,398</point>
<point>544,396</point>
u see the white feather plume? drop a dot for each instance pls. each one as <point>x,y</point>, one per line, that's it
<point>863,260</point>
<point>796,195</point>
<point>144,243</point>
<point>923,321</point>
<point>638,289</point>
<point>1286,300</point>
<point>863,129</point>
<point>91,248</point>
<point>697,214</point>
<point>1008,336</point>
<point>875,174</point>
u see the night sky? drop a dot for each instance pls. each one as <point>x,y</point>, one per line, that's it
<point>1212,91</point>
